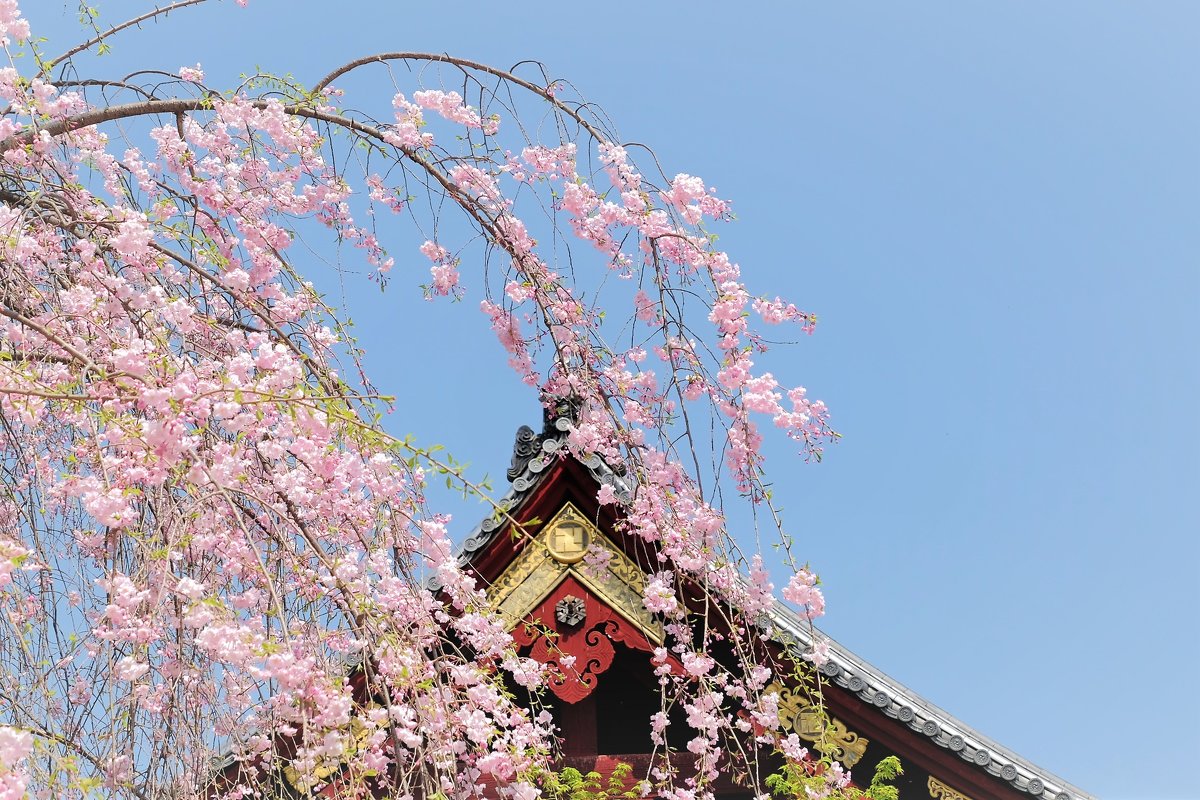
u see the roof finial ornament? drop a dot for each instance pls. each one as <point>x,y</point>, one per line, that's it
<point>555,409</point>
<point>558,415</point>
<point>527,445</point>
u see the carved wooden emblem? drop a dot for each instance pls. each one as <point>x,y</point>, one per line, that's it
<point>570,611</point>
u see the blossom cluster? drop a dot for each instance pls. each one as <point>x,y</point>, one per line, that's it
<point>204,527</point>
<point>15,746</point>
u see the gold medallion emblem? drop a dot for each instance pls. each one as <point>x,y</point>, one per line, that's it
<point>569,541</point>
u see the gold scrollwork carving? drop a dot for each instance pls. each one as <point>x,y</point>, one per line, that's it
<point>305,782</point>
<point>529,578</point>
<point>828,735</point>
<point>937,789</point>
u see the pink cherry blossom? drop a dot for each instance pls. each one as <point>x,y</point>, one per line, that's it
<point>15,746</point>
<point>194,74</point>
<point>202,488</point>
<point>803,591</point>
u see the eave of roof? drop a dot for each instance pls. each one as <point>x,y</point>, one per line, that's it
<point>843,668</point>
<point>897,701</point>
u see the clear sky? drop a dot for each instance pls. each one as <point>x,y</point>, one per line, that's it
<point>993,209</point>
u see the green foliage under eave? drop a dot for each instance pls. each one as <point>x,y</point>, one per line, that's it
<point>571,784</point>
<point>794,781</point>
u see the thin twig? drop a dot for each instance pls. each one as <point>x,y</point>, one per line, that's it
<point>79,48</point>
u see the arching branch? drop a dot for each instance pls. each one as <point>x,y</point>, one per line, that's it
<point>463,63</point>
<point>79,48</point>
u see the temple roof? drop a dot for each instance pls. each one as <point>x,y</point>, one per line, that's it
<point>900,703</point>
<point>534,454</point>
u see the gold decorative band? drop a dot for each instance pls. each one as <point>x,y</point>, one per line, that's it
<point>937,789</point>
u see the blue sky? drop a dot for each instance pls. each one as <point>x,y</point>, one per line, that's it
<point>992,208</point>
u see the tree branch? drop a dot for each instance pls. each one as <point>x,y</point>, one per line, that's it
<point>540,91</point>
<point>79,48</point>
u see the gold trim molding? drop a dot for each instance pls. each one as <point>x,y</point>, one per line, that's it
<point>557,551</point>
<point>937,789</point>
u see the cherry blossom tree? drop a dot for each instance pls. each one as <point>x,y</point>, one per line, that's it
<point>204,526</point>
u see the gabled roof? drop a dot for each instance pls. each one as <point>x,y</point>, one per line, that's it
<point>534,455</point>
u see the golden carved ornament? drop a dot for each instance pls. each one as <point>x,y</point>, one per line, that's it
<point>937,789</point>
<point>828,735</point>
<point>557,551</point>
